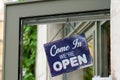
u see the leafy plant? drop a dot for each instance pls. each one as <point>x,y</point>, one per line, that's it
<point>88,73</point>
<point>29,51</point>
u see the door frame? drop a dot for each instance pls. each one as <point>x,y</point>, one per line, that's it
<point>16,12</point>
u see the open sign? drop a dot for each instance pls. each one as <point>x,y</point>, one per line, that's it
<point>68,54</point>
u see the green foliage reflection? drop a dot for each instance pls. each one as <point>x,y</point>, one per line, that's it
<point>29,52</point>
<point>88,73</point>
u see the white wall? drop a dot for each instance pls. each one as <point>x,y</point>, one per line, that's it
<point>1,48</point>
<point>76,75</point>
<point>1,36</point>
<point>45,33</point>
<point>115,39</point>
<point>41,72</point>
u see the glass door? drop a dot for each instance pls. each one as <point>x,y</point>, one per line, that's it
<point>30,24</point>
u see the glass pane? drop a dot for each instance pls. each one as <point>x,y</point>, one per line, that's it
<point>34,64</point>
<point>88,72</point>
<point>106,50</point>
<point>91,47</point>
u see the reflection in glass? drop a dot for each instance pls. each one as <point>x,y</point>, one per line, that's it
<point>29,52</point>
